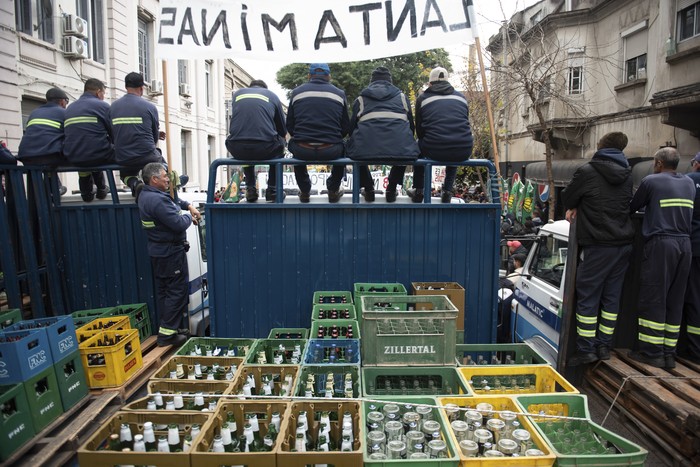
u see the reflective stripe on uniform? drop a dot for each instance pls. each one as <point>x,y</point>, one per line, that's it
<point>676,202</point>
<point>253,96</point>
<point>651,339</point>
<point>127,121</point>
<point>605,329</point>
<point>436,98</point>
<point>693,330</point>
<point>586,319</point>
<point>651,324</point>
<point>166,332</point>
<point>148,224</point>
<point>585,332</point>
<point>323,94</point>
<point>673,327</point>
<point>44,121</point>
<point>670,342</point>
<point>71,121</point>
<point>373,115</point>
<point>607,315</point>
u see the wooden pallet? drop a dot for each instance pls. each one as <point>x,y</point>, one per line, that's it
<point>668,408</point>
<point>153,358</point>
<point>57,443</point>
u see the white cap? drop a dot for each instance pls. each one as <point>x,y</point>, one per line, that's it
<point>438,74</point>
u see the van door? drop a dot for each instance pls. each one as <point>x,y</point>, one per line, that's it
<point>537,307</point>
<point>198,306</point>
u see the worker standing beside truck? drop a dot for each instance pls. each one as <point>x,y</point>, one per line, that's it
<point>692,293</point>
<point>667,197</point>
<point>598,197</point>
<point>166,228</point>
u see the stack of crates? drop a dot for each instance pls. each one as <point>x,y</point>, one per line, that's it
<point>10,317</point>
<point>111,357</point>
<point>138,315</point>
<point>41,376</point>
<point>376,289</point>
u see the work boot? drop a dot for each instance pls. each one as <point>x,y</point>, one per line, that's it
<point>582,358</point>
<point>304,197</point>
<point>184,332</point>
<point>669,362</point>
<point>102,192</point>
<point>368,195</point>
<point>415,195</point>
<point>270,195</point>
<point>133,184</point>
<point>334,196</point>
<point>251,195</point>
<point>390,196</point>
<point>447,196</point>
<point>183,180</point>
<point>603,352</point>
<point>138,189</point>
<point>175,340</point>
<point>658,362</point>
<point>88,197</point>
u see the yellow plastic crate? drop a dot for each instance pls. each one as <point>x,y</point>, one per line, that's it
<point>110,323</point>
<point>109,366</point>
<point>514,380</point>
<point>499,404</point>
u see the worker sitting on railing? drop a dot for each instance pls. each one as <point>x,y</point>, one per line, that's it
<point>444,134</point>
<point>317,120</point>
<point>381,128</point>
<point>257,132</point>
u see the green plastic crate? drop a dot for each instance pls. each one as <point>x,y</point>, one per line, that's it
<point>340,323</point>
<point>10,317</point>
<point>321,373</point>
<point>44,398</point>
<point>498,354</point>
<point>138,316</point>
<point>332,297</point>
<point>219,346</point>
<point>83,317</point>
<point>599,447</point>
<point>422,336</point>
<point>271,346</point>
<point>362,289</point>
<point>345,308</point>
<point>451,461</point>
<point>72,382</point>
<point>288,333</point>
<point>412,382</point>
<point>16,426</point>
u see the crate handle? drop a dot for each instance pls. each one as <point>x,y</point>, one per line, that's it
<point>62,329</point>
<point>32,343</point>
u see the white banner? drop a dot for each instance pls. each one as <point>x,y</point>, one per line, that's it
<point>303,31</point>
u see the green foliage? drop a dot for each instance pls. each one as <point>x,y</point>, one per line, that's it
<point>409,72</point>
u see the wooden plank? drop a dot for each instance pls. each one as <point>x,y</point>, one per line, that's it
<point>683,369</point>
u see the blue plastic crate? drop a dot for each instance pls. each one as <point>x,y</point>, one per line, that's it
<point>60,330</point>
<point>23,354</point>
<point>332,352</point>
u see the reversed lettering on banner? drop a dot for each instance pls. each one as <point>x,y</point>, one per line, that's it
<point>302,31</point>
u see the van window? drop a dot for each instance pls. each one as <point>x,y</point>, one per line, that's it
<point>202,229</point>
<point>550,260</point>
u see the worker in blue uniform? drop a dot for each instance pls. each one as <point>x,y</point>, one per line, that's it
<point>136,132</point>
<point>317,121</point>
<point>381,128</point>
<point>444,134</point>
<point>667,197</point>
<point>42,142</point>
<point>88,138</point>
<point>166,228</point>
<point>257,132</point>
<point>692,293</point>
<point>598,197</point>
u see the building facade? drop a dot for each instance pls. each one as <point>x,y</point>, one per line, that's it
<point>46,43</point>
<point>588,67</point>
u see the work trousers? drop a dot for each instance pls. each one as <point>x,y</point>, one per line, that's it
<point>599,278</point>
<point>327,152</point>
<point>664,277</point>
<point>129,174</point>
<point>172,290</point>
<point>257,151</point>
<point>692,309</point>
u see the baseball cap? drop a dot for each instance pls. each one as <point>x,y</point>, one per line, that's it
<point>319,69</point>
<point>56,93</point>
<point>438,74</point>
<point>133,80</point>
<point>697,158</point>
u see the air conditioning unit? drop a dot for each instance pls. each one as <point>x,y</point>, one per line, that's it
<point>74,26</point>
<point>75,47</point>
<point>156,88</point>
<point>185,89</point>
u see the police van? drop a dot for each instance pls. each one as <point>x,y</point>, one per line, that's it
<point>536,308</point>
<point>198,306</point>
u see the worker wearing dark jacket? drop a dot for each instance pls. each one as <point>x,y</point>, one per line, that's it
<point>668,197</point>
<point>88,138</point>
<point>444,134</point>
<point>692,293</point>
<point>381,128</point>
<point>166,228</point>
<point>135,128</point>
<point>317,120</point>
<point>598,198</point>
<point>257,132</point>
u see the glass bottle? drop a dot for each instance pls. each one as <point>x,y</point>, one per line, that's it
<point>114,444</point>
<point>346,444</point>
<point>174,438</point>
<point>149,437</point>
<point>218,445</point>
<point>139,444</point>
<point>249,438</point>
<point>226,438</point>
<point>151,404</point>
<point>276,421</point>
<point>163,444</point>
<point>179,371</point>
<point>194,431</point>
<point>268,443</point>
<point>187,443</point>
<point>125,437</point>
<point>299,443</point>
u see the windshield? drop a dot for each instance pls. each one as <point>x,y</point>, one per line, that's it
<point>550,260</point>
